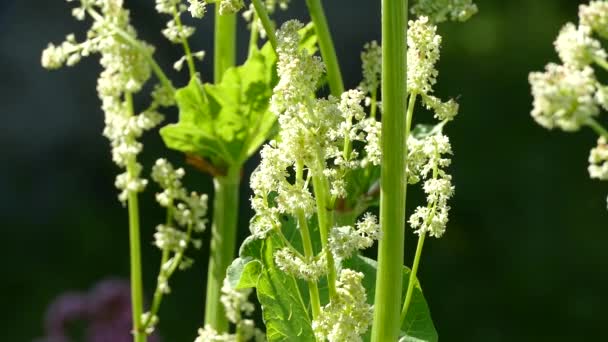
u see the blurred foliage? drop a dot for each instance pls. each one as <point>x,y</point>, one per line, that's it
<point>524,257</point>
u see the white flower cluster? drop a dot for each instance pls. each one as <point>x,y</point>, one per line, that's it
<point>197,8</point>
<point>568,96</point>
<point>309,269</point>
<point>371,67</point>
<point>348,316</point>
<point>344,241</point>
<point>423,54</point>
<point>564,96</point>
<point>595,15</point>
<point>230,6</point>
<point>426,162</point>
<point>125,70</point>
<point>189,210</point>
<point>236,304</point>
<point>576,47</point>
<point>442,10</point>
<point>598,160</point>
<point>313,132</point>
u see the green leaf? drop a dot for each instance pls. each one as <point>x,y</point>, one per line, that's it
<point>283,308</point>
<point>284,311</point>
<point>418,324</point>
<point>226,122</point>
<point>244,273</point>
<point>422,131</point>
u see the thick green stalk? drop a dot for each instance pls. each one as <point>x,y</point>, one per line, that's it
<point>325,217</point>
<point>313,289</point>
<point>392,179</point>
<point>223,245</point>
<point>225,202</point>
<point>139,335</point>
<point>413,280</point>
<point>224,50</point>
<point>328,52</point>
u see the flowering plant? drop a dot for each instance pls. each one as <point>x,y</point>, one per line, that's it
<point>325,162</point>
<point>569,95</point>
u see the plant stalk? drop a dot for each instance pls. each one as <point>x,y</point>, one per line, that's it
<point>313,289</point>
<point>597,127</point>
<point>262,13</point>
<point>413,280</point>
<point>224,51</point>
<point>223,245</point>
<point>139,335</point>
<point>325,217</point>
<point>393,178</point>
<point>328,52</point>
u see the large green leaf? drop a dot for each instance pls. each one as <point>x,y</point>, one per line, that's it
<point>418,324</point>
<point>284,310</point>
<point>226,122</point>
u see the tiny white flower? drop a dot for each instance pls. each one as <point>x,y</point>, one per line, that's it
<point>563,96</point>
<point>595,15</point>
<point>576,47</point>
<point>598,160</point>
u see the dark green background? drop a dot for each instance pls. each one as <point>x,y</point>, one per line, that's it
<point>524,257</point>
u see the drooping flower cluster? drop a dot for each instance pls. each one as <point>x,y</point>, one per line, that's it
<point>344,241</point>
<point>126,67</point>
<point>309,269</point>
<point>598,160</point>
<point>188,211</point>
<point>423,54</point>
<point>175,31</point>
<point>426,161</point>
<point>348,316</point>
<point>236,304</point>
<point>442,10</point>
<point>186,215</point>
<point>371,66</point>
<point>569,96</point>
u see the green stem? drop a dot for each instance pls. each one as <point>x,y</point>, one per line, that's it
<point>187,51</point>
<point>597,127</point>
<point>328,52</point>
<point>224,52</point>
<point>313,289</point>
<point>253,37</point>
<point>223,244</point>
<point>325,217</point>
<point>602,63</point>
<point>374,104</point>
<point>413,280</point>
<point>139,334</point>
<point>392,179</point>
<point>262,13</point>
